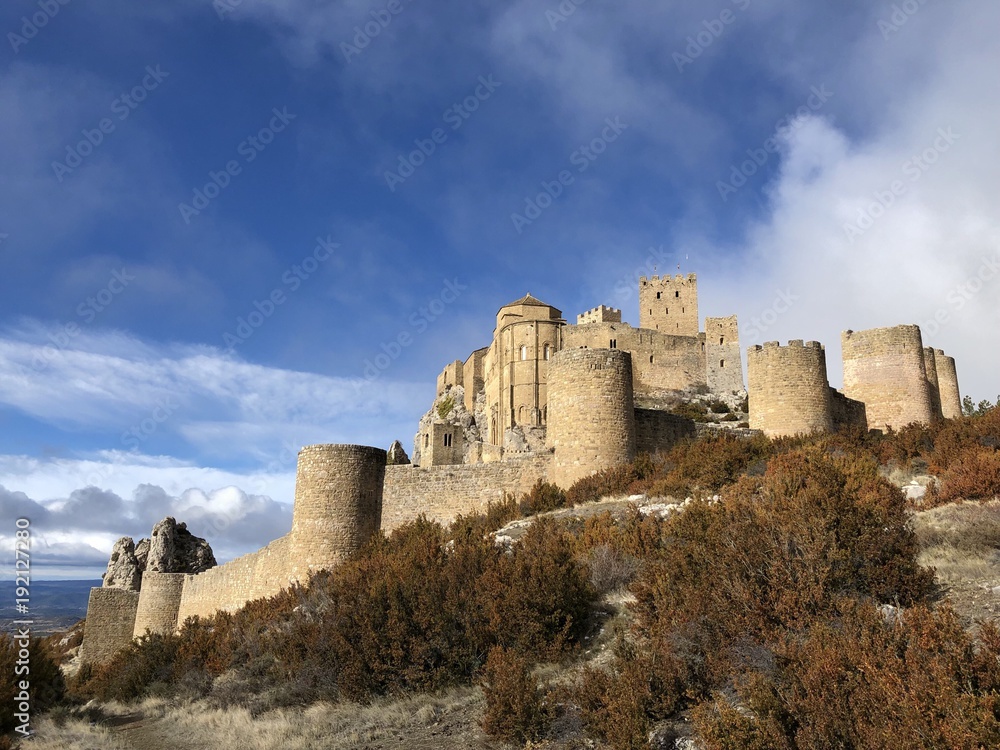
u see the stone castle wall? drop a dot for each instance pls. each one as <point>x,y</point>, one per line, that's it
<point>443,492</point>
<point>951,397</point>
<point>930,367</point>
<point>231,585</point>
<point>159,603</point>
<point>884,368</point>
<point>592,412</point>
<point>788,389</point>
<point>659,361</point>
<point>110,621</point>
<point>723,361</point>
<point>847,412</point>
<point>659,431</point>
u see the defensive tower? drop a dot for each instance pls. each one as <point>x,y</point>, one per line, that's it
<point>951,397</point>
<point>884,368</point>
<point>669,304</point>
<point>159,603</point>
<point>592,422</point>
<point>789,393</point>
<point>723,364</point>
<point>338,505</point>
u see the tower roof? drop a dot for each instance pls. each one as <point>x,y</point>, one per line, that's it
<point>528,300</point>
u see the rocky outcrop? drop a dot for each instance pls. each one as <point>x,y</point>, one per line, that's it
<point>124,571</point>
<point>170,549</point>
<point>397,456</point>
<point>174,549</point>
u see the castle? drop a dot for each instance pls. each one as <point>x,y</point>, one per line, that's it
<point>546,400</point>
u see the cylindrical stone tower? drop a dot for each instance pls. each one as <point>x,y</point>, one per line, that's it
<point>591,412</point>
<point>159,603</point>
<point>884,367</point>
<point>338,505</point>
<point>789,392</point>
<point>930,365</point>
<point>951,397</point>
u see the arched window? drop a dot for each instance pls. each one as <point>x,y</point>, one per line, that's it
<point>524,353</point>
<point>546,351</point>
<point>722,363</point>
<point>657,295</point>
<point>650,359</point>
<point>427,440</point>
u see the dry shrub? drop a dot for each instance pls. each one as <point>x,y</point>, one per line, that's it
<point>514,707</point>
<point>779,549</point>
<point>542,498</point>
<point>973,475</point>
<point>47,685</point>
<point>918,681</point>
<point>412,612</point>
<point>620,706</point>
<point>611,569</point>
<point>708,464</point>
<point>620,480</point>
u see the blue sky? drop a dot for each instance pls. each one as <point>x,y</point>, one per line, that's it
<point>215,217</point>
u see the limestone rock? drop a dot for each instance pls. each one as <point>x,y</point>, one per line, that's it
<point>397,456</point>
<point>174,549</point>
<point>124,571</point>
<point>142,553</point>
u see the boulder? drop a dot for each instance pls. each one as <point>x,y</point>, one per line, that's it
<point>124,571</point>
<point>397,456</point>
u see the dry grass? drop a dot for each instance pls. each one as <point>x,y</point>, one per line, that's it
<point>962,542</point>
<point>447,720</point>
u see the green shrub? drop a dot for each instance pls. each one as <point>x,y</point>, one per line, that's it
<point>542,498</point>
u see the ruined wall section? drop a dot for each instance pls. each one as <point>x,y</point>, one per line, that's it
<point>723,363</point>
<point>659,431</point>
<point>110,622</point>
<point>789,392</point>
<point>659,361</point>
<point>443,492</point>
<point>452,374</point>
<point>884,368</point>
<point>592,412</point>
<point>473,378</point>
<point>951,396</point>
<point>338,505</point>
<point>159,603</point>
<point>669,304</point>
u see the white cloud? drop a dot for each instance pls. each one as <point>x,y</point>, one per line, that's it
<point>79,530</point>
<point>222,405</point>
<point>917,250</point>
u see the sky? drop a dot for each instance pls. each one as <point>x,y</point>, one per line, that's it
<point>230,229</point>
